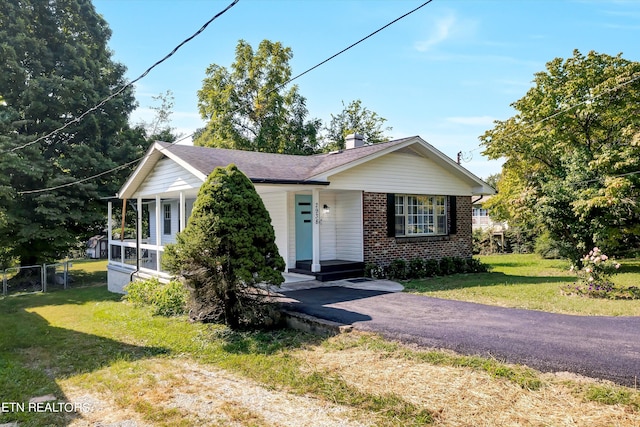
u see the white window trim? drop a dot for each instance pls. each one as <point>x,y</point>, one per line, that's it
<point>165,218</point>
<point>422,219</point>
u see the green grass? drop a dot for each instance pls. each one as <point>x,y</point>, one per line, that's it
<point>88,272</point>
<point>69,335</point>
<point>530,282</point>
<point>89,337</point>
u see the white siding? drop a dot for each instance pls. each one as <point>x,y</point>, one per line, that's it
<point>175,222</point>
<point>276,204</point>
<point>168,177</point>
<point>401,173</point>
<point>291,228</point>
<point>152,223</point>
<point>189,208</point>
<point>328,226</point>
<point>349,226</point>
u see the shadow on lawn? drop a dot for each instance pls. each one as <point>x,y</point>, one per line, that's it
<point>33,354</point>
<point>460,281</point>
<point>266,342</point>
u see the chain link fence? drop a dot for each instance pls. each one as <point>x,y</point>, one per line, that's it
<point>50,277</point>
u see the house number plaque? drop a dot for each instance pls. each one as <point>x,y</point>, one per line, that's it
<point>316,213</point>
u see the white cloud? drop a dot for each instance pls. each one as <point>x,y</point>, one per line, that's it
<point>472,120</point>
<point>443,29</point>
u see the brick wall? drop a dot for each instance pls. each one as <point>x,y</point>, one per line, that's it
<point>381,250</point>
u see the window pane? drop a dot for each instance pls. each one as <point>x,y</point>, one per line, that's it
<point>420,215</point>
<point>167,219</point>
<point>400,226</point>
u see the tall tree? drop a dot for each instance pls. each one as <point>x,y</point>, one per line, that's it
<point>159,128</point>
<point>227,248</point>
<point>55,65</point>
<point>247,108</point>
<point>573,154</point>
<point>354,118</point>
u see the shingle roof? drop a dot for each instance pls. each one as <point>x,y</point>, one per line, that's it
<point>270,166</point>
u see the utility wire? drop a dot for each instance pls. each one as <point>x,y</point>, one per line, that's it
<point>272,90</point>
<point>89,178</point>
<point>352,45</point>
<point>123,88</point>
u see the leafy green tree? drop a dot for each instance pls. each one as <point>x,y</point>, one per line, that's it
<point>54,66</point>
<point>573,155</point>
<point>354,118</point>
<point>248,107</point>
<point>493,179</point>
<point>159,128</point>
<point>226,250</point>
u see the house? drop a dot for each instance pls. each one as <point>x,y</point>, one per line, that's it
<point>97,247</point>
<point>339,210</point>
<point>480,220</point>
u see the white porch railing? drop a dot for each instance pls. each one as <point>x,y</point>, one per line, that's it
<point>125,254</point>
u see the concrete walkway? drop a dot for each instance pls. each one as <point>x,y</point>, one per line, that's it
<point>594,346</point>
<point>297,282</point>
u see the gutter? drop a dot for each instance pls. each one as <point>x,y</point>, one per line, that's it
<point>287,181</point>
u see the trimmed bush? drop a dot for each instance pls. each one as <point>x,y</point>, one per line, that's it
<point>227,254</point>
<point>375,271</point>
<point>474,265</point>
<point>419,268</point>
<point>431,268</point>
<point>165,299</point>
<point>397,269</point>
<point>447,266</point>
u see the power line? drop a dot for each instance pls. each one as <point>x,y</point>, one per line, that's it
<point>89,178</point>
<point>123,88</point>
<point>352,45</point>
<point>272,90</point>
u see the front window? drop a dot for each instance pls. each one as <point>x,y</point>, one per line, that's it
<point>420,215</point>
<point>167,219</point>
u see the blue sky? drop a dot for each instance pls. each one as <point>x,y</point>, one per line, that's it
<point>445,72</point>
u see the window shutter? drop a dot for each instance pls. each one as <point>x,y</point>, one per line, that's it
<point>391,215</point>
<point>453,218</point>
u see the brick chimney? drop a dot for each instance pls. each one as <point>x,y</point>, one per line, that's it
<point>354,140</point>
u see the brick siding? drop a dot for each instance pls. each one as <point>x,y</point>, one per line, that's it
<point>381,249</point>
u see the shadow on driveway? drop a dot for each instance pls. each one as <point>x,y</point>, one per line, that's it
<point>316,301</point>
<point>594,346</point>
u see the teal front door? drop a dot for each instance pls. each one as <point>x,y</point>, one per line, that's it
<point>304,249</point>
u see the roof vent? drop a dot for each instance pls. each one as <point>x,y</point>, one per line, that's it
<point>354,140</point>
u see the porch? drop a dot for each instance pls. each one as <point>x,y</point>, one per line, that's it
<point>318,232</point>
<point>335,269</point>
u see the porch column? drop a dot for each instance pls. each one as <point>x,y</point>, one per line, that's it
<point>158,230</point>
<point>315,230</point>
<point>109,227</point>
<point>183,212</point>
<point>139,231</point>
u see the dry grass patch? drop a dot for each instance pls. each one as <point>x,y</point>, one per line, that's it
<point>180,392</point>
<point>461,396</point>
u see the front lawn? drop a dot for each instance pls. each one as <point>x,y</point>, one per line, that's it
<point>528,281</point>
<point>85,346</point>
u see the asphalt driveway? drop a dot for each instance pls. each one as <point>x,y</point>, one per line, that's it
<point>598,347</point>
